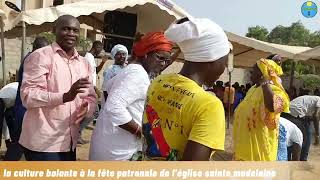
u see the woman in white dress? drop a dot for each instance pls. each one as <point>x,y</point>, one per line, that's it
<point>118,130</point>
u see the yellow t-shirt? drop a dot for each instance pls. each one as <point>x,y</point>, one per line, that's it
<point>180,111</point>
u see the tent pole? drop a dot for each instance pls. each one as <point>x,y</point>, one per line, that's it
<point>3,70</point>
<point>230,69</point>
<point>23,41</point>
<point>229,102</point>
<point>3,52</point>
<point>23,7</point>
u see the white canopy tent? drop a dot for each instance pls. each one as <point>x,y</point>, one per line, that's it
<point>248,50</point>
<point>152,15</point>
<point>311,55</point>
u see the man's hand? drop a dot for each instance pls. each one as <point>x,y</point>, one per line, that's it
<point>82,112</point>
<point>76,88</point>
<point>104,59</point>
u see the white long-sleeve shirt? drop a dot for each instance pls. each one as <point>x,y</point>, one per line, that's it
<point>126,99</point>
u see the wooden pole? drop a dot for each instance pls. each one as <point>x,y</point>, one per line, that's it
<point>3,53</point>
<point>230,69</point>
<point>23,7</point>
<point>229,102</point>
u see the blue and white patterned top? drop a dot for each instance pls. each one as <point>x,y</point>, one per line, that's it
<point>282,144</point>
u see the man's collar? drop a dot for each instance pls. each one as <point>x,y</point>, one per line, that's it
<point>57,48</point>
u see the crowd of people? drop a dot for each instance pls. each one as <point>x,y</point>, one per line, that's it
<point>146,115</point>
<point>237,93</point>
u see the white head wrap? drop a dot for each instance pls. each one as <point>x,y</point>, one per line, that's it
<point>118,48</point>
<point>200,40</point>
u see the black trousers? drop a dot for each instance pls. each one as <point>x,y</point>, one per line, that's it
<point>49,156</point>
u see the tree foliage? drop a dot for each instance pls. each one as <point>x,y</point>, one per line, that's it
<point>49,36</point>
<point>278,35</point>
<point>258,32</point>
<point>286,66</point>
<point>314,39</point>
<point>310,81</point>
<point>295,35</point>
<point>301,68</point>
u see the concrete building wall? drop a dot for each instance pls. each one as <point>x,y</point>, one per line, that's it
<point>13,57</point>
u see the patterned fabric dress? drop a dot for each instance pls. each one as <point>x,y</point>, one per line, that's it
<point>282,145</point>
<point>256,129</point>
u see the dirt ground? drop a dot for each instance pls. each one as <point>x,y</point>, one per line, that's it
<point>83,150</point>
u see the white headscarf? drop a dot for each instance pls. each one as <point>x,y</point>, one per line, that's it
<point>118,48</point>
<point>200,40</point>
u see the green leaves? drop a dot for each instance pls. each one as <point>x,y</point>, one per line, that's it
<point>295,35</point>
<point>310,81</point>
<point>314,39</point>
<point>49,36</point>
<point>84,43</point>
<point>258,32</point>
